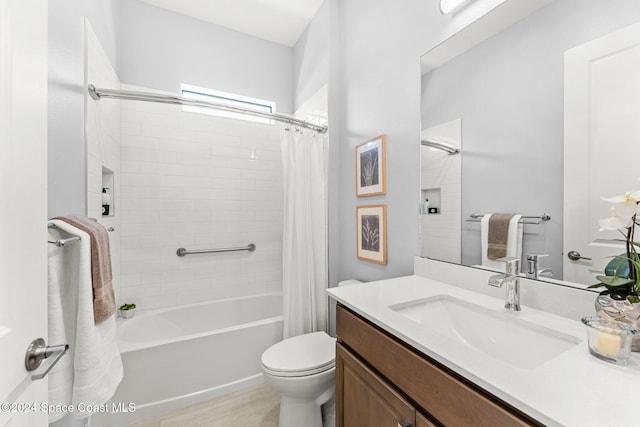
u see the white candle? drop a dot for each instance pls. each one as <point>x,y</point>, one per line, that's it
<point>608,344</point>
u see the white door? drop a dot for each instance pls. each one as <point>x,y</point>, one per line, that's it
<point>601,145</point>
<point>23,206</point>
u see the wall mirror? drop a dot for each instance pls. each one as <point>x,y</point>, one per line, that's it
<point>507,93</point>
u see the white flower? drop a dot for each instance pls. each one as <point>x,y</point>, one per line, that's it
<point>622,212</point>
<point>614,223</point>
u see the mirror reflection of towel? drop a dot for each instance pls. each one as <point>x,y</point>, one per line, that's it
<point>498,235</point>
<point>514,241</point>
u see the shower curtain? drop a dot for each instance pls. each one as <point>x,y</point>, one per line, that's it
<point>304,154</point>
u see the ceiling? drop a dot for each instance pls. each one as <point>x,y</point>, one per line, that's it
<point>279,21</point>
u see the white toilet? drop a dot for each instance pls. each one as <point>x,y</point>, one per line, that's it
<point>303,370</point>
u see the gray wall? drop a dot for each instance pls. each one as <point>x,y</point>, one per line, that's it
<point>311,57</point>
<point>379,88</point>
<point>67,154</point>
<point>161,49</point>
<point>509,92</point>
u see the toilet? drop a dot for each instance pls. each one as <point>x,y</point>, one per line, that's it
<point>303,370</point>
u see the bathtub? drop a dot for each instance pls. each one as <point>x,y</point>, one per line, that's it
<point>179,356</point>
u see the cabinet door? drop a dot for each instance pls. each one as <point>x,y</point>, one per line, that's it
<point>363,399</point>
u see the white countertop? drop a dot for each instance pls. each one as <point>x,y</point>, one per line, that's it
<point>572,389</point>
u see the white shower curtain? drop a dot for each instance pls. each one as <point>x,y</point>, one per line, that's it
<point>304,154</point>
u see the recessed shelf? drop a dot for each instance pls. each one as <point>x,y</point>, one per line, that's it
<point>434,197</point>
<point>108,206</point>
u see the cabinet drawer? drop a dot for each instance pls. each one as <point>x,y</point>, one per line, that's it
<point>447,398</point>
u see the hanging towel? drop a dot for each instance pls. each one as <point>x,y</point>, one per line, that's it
<point>498,235</point>
<point>92,369</point>
<point>513,240</point>
<point>104,303</point>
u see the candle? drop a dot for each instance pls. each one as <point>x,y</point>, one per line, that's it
<point>608,344</point>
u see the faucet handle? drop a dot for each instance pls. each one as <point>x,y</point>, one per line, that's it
<point>535,257</point>
<point>513,264</point>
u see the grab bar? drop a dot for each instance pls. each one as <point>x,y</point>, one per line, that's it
<point>182,251</point>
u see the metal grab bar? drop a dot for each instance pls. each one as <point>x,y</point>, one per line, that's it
<point>475,217</point>
<point>183,252</point>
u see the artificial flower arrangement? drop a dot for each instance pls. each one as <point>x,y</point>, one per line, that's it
<point>622,276</point>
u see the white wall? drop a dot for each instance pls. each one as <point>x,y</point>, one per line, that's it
<point>161,49</point>
<point>67,153</point>
<point>198,182</point>
<point>103,146</point>
<point>311,57</point>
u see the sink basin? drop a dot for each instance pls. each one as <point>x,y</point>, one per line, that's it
<point>499,334</point>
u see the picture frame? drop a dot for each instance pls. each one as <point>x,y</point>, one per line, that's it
<point>371,174</point>
<point>371,233</point>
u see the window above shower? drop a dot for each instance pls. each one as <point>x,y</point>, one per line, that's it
<point>231,99</point>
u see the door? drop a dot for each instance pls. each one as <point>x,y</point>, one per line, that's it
<point>23,212</point>
<point>601,157</point>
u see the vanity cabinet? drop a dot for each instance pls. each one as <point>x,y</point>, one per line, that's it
<point>382,381</point>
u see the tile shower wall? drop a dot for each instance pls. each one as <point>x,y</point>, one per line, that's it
<point>198,182</point>
<point>102,130</point>
<point>441,182</point>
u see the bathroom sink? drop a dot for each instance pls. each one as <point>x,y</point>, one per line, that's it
<point>499,334</point>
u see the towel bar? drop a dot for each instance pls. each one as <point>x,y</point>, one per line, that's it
<point>475,217</point>
<point>61,242</point>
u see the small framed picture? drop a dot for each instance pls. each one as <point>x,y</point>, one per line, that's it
<point>371,233</point>
<point>370,167</point>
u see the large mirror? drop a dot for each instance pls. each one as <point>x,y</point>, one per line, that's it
<point>507,95</point>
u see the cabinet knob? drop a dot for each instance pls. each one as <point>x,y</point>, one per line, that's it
<point>404,423</point>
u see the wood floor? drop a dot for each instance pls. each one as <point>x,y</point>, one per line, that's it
<point>257,406</point>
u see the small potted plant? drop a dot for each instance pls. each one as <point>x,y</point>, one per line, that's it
<point>127,310</point>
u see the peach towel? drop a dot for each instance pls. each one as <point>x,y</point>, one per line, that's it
<point>104,303</point>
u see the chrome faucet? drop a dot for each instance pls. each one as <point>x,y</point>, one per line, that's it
<point>533,266</point>
<point>512,281</point>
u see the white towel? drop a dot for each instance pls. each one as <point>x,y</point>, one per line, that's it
<point>514,242</point>
<point>92,369</point>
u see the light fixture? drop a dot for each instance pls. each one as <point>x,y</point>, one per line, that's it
<point>448,6</point>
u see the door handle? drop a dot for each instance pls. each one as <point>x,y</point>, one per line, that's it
<point>575,256</point>
<point>38,351</point>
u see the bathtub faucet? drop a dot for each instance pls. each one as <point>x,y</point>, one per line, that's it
<point>512,281</point>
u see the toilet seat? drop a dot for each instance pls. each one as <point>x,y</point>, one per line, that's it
<point>299,356</point>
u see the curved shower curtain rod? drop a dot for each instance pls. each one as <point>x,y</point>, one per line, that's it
<point>98,94</point>
<point>440,146</point>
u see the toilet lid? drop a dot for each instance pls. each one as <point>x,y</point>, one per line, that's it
<point>302,355</point>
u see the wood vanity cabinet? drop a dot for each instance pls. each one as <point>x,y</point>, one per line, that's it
<point>381,381</point>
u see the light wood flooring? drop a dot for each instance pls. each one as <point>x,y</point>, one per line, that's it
<point>257,406</point>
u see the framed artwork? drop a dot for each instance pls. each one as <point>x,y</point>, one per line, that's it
<point>371,233</point>
<point>371,176</point>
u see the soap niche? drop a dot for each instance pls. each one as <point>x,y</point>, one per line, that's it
<point>432,207</point>
<point>108,197</point>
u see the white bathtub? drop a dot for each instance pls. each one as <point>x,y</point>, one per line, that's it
<point>183,355</point>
